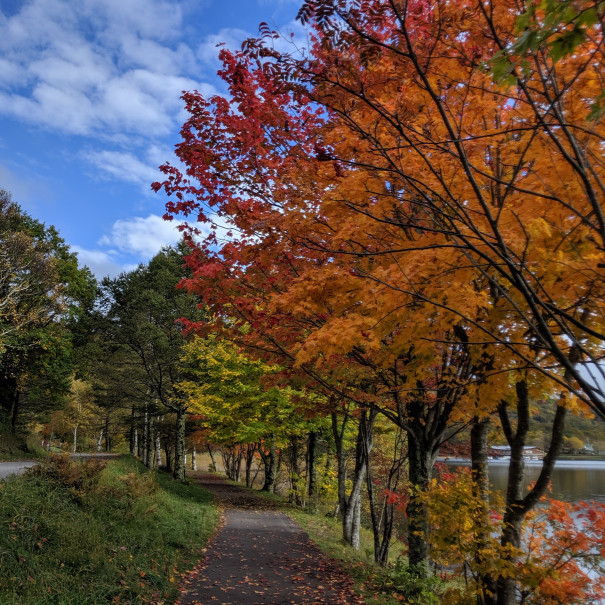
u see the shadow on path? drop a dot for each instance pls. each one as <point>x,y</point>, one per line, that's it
<point>261,556</point>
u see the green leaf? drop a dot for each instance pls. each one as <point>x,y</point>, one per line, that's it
<point>528,40</point>
<point>567,42</point>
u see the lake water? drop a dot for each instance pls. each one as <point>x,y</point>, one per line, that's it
<point>573,480</point>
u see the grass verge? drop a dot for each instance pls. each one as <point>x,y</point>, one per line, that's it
<point>78,533</point>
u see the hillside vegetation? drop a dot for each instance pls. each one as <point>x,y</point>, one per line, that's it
<point>83,533</point>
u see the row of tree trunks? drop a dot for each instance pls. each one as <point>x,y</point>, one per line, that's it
<point>232,461</point>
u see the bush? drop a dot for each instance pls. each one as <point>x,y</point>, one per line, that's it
<point>416,583</point>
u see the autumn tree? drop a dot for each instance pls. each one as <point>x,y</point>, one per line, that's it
<point>398,207</point>
<point>225,388</point>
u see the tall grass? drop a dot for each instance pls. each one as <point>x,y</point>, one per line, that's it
<point>85,533</point>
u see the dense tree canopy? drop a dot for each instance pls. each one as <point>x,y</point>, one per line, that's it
<point>45,297</point>
<point>415,218</point>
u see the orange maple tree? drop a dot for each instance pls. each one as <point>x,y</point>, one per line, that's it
<point>384,208</point>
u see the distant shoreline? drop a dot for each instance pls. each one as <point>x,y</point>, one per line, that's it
<point>585,463</point>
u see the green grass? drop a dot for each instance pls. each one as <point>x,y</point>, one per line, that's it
<point>80,533</point>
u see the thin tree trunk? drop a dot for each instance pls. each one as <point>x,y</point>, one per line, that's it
<point>518,506</point>
<point>148,439</point>
<point>14,412</point>
<point>250,450</point>
<point>312,468</point>
<point>295,493</point>
<point>133,431</point>
<point>193,459</point>
<point>75,438</point>
<point>179,446</point>
<point>383,519</point>
<point>145,456</point>
<point>341,467</point>
<point>352,504</point>
<point>107,437</point>
<point>168,454</point>
<point>270,462</point>
<point>158,450</point>
<point>212,458</point>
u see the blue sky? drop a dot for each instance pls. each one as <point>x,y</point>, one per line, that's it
<point>90,107</point>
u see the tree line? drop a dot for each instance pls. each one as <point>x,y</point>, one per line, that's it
<point>406,218</point>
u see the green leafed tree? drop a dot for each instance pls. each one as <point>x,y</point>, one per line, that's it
<point>45,297</point>
<point>143,308</point>
<point>225,387</point>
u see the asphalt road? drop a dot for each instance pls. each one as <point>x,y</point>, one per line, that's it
<point>18,467</point>
<point>15,467</point>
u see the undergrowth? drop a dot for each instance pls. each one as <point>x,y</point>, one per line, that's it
<point>80,533</point>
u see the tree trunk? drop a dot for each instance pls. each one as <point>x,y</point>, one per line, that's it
<point>107,436</point>
<point>518,506</point>
<point>351,508</point>
<point>341,467</point>
<point>295,491</point>
<point>312,468</point>
<point>270,462</point>
<point>158,450</point>
<point>179,446</point>
<point>148,439</point>
<point>133,432</point>
<point>479,470</point>
<point>100,440</point>
<point>75,438</point>
<point>193,460</point>
<point>383,517</point>
<point>232,461</point>
<point>168,453</point>
<point>250,450</point>
<point>214,468</point>
<point>14,412</point>
<point>145,456</point>
<point>420,460</point>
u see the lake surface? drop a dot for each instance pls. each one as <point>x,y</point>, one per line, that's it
<point>573,480</point>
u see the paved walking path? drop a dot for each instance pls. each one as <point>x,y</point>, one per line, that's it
<point>261,556</point>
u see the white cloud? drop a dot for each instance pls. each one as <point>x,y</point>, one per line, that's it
<point>129,242</point>
<point>95,66</point>
<point>229,37</point>
<point>141,237</point>
<point>101,263</point>
<point>124,166</point>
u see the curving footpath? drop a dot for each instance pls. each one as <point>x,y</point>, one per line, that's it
<point>260,555</point>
